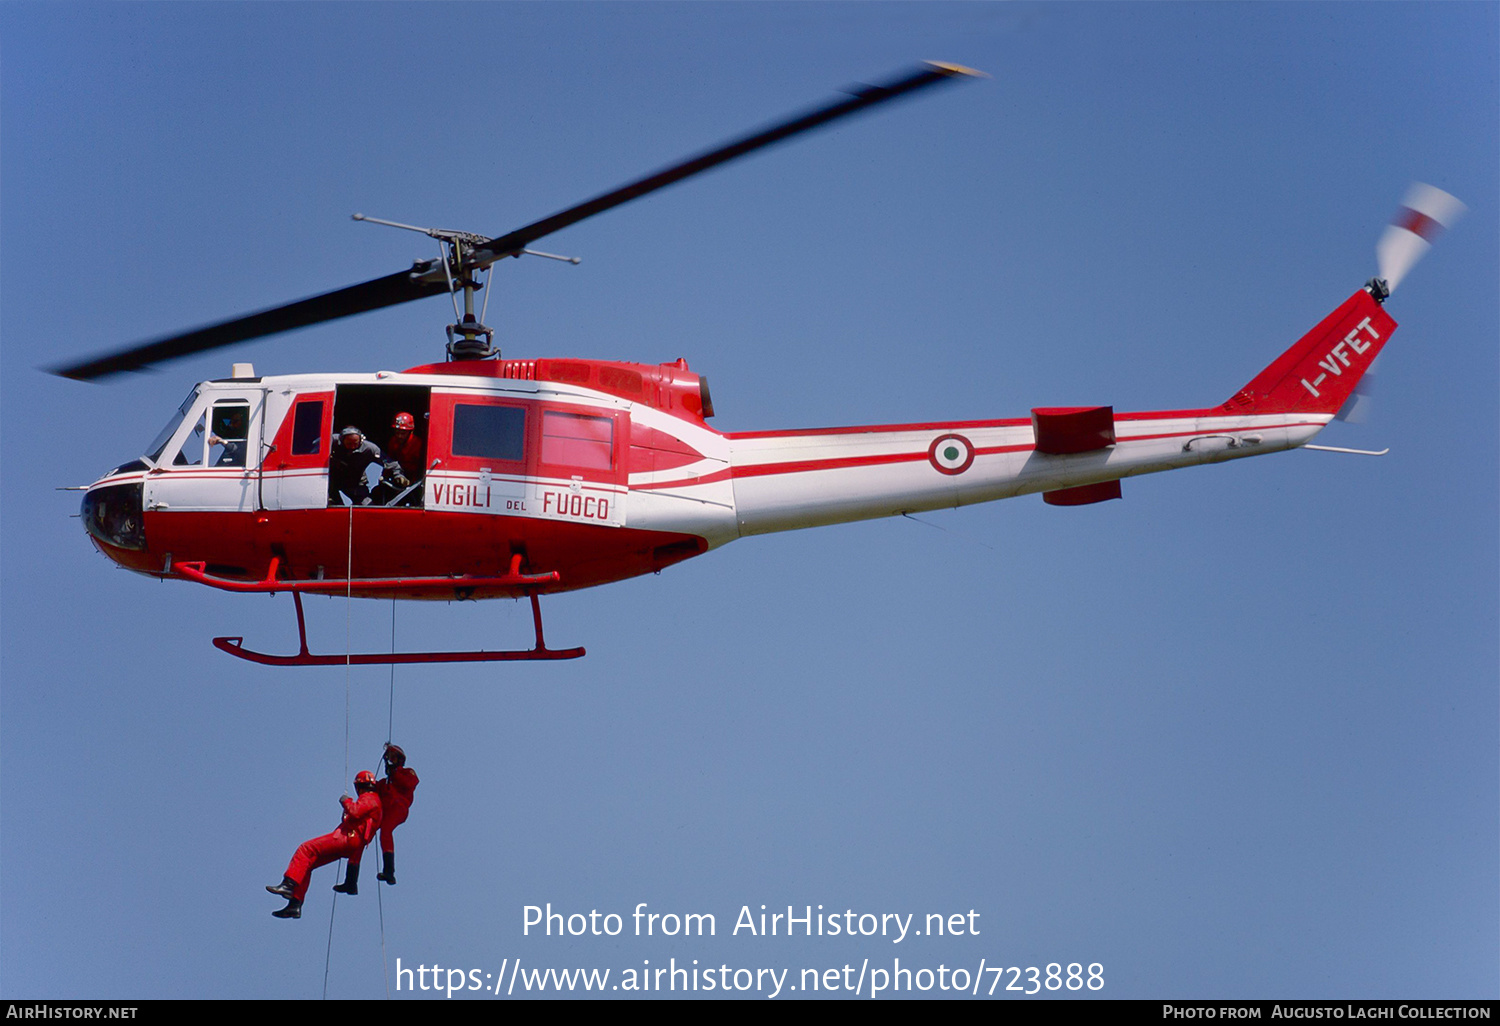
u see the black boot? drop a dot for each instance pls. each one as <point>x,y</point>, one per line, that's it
<point>388,874</point>
<point>350,885</point>
<point>284,888</point>
<point>293,910</point>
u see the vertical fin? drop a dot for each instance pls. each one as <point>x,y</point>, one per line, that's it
<point>1318,374</point>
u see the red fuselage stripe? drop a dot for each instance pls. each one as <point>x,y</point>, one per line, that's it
<point>846,462</point>
<point>963,425</point>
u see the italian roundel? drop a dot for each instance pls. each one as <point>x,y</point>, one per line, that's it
<point>951,454</point>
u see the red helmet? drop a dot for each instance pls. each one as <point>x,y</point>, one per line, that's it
<point>364,780</point>
<point>403,422</point>
<point>394,755</point>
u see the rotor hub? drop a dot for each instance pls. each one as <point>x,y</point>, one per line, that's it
<point>470,340</point>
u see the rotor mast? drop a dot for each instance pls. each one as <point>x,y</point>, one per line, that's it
<point>468,338</point>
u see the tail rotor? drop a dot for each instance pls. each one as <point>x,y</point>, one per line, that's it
<point>1423,215</point>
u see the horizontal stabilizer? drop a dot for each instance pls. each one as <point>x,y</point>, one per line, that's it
<point>1068,429</point>
<point>1083,494</point>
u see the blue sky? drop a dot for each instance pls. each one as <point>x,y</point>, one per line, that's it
<point>1235,736</point>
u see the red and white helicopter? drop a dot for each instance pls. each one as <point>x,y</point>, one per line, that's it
<point>546,475</point>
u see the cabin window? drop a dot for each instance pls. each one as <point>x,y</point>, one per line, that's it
<point>307,429</point>
<point>575,440</point>
<point>229,434</point>
<point>493,432</point>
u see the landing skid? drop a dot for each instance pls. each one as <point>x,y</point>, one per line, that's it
<point>236,647</point>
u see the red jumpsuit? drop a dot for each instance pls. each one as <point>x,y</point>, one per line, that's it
<point>408,454</point>
<point>356,829</point>
<point>396,793</point>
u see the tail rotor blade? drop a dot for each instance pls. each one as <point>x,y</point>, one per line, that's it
<point>1360,407</point>
<point>1422,217</point>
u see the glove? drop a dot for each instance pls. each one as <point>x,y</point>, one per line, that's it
<point>399,480</point>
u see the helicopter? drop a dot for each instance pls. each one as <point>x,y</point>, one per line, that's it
<point>526,477</point>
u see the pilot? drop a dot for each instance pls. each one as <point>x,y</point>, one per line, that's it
<point>404,448</point>
<point>230,420</point>
<point>361,820</point>
<point>396,792</point>
<point>346,467</point>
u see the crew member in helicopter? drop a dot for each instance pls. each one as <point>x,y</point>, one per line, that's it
<point>356,829</point>
<point>404,447</point>
<point>351,457</point>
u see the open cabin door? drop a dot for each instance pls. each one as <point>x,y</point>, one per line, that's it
<point>375,410</point>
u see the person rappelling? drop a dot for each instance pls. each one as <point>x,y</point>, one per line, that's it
<point>360,821</point>
<point>396,792</point>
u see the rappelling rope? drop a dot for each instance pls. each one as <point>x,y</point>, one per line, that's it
<point>328,954</point>
<point>390,724</point>
<point>389,731</point>
<point>348,618</point>
<point>384,967</point>
<point>390,719</point>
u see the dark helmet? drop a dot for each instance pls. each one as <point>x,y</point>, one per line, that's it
<point>364,781</point>
<point>352,432</point>
<point>394,755</point>
<point>403,422</point>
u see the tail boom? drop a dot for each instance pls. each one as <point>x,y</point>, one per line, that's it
<point>790,479</point>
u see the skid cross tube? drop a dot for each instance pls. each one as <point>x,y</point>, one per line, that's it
<point>197,571</point>
<point>235,647</point>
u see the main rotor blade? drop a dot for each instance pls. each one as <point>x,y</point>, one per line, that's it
<point>931,73</point>
<point>371,295</point>
<point>404,286</point>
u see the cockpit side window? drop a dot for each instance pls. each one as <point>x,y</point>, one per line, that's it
<point>229,433</point>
